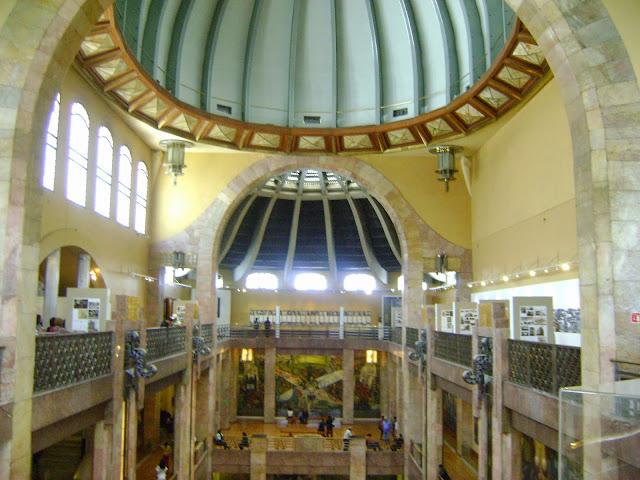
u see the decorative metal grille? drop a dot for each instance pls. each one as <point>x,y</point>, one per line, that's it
<point>361,332</point>
<point>129,359</point>
<point>488,368</point>
<point>206,331</point>
<point>386,333</point>
<point>544,366</point>
<point>332,444</point>
<point>67,359</point>
<point>165,341</point>
<point>453,347</point>
<point>280,443</point>
<point>223,332</point>
<point>412,337</point>
<point>396,335</point>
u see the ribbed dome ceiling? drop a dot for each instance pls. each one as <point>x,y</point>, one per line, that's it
<point>310,220</point>
<point>315,63</point>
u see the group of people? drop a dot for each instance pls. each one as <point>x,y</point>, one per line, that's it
<point>56,325</point>
<point>325,427</point>
<point>171,321</point>
<point>387,428</point>
<point>267,326</point>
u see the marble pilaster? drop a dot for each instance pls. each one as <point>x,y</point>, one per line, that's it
<point>269,385</point>
<point>357,458</point>
<point>84,266</point>
<point>348,386</point>
<point>51,283</point>
<point>132,434</point>
<point>258,468</point>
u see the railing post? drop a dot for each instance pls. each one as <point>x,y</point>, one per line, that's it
<point>341,334</point>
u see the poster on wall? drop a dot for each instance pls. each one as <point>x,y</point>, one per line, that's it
<point>533,321</point>
<point>468,319</point>
<point>85,314</point>
<point>446,320</point>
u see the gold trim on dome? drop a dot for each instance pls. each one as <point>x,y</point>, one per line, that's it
<point>222,133</point>
<point>311,143</point>
<point>401,137</point>
<point>514,77</point>
<point>353,142</point>
<point>493,97</point>
<point>268,140</point>
<point>105,60</point>
<point>469,114</point>
<point>438,127</point>
<point>529,52</point>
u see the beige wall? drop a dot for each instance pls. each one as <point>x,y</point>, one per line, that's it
<point>523,193</point>
<point>117,250</point>
<point>625,14</point>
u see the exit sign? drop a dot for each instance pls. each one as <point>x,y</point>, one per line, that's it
<point>635,317</point>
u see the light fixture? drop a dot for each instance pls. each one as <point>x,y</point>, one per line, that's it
<point>446,162</point>
<point>505,278</point>
<point>532,273</point>
<point>565,266</point>
<point>483,283</point>
<point>246,355</point>
<point>174,158</point>
<point>372,356</point>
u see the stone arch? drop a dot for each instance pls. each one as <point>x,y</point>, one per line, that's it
<point>601,96</point>
<point>211,224</point>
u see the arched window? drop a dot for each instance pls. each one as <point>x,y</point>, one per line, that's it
<point>359,282</point>
<point>78,155</point>
<point>104,167</point>
<point>142,183</point>
<point>310,281</point>
<point>123,201</point>
<point>267,281</point>
<point>51,147</point>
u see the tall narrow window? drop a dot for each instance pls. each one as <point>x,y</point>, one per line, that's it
<point>142,182</point>
<point>51,147</point>
<point>124,187</point>
<point>104,168</point>
<point>78,155</point>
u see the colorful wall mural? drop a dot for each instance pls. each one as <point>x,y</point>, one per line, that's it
<point>366,401</point>
<point>540,462</point>
<point>313,382</point>
<point>251,387</point>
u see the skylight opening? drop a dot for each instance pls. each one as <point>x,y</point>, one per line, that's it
<point>310,281</point>
<point>262,280</point>
<point>360,282</point>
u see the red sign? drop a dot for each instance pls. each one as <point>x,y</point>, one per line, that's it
<point>635,317</point>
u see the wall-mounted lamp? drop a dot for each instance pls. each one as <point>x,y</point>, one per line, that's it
<point>246,355</point>
<point>446,162</point>
<point>174,158</point>
<point>372,356</point>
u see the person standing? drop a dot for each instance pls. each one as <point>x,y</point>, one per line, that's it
<point>267,327</point>
<point>346,438</point>
<point>161,471</point>
<point>329,426</point>
<point>386,430</point>
<point>395,426</point>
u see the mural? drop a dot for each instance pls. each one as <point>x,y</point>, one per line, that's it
<point>313,382</point>
<point>251,387</point>
<point>366,402</point>
<point>449,412</point>
<point>540,462</point>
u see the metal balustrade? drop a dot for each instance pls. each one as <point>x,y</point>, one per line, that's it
<point>165,341</point>
<point>453,347</point>
<point>543,366</point>
<point>223,332</point>
<point>396,335</point>
<point>65,359</point>
<point>413,336</point>
<point>206,331</point>
<point>488,368</point>
<point>370,333</point>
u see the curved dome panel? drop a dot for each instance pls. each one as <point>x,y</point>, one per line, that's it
<point>315,63</point>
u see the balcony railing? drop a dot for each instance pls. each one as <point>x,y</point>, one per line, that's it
<point>361,331</point>
<point>413,335</point>
<point>396,335</point>
<point>453,347</point>
<point>206,331</point>
<point>544,366</point>
<point>65,359</point>
<point>310,331</point>
<point>165,341</point>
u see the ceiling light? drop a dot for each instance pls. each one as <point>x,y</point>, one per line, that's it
<point>174,158</point>
<point>565,266</point>
<point>505,278</point>
<point>532,273</point>
<point>446,162</point>
<point>483,283</point>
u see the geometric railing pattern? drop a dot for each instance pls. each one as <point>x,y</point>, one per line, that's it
<point>165,341</point>
<point>488,368</point>
<point>543,366</point>
<point>453,347</point>
<point>412,337</point>
<point>396,335</point>
<point>65,359</point>
<point>206,331</point>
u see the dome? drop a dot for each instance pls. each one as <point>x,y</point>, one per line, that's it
<point>314,76</point>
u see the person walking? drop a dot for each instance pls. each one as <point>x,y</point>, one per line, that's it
<point>161,471</point>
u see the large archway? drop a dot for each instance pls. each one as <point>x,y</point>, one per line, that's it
<point>38,40</point>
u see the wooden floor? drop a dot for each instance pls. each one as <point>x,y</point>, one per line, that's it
<point>458,468</point>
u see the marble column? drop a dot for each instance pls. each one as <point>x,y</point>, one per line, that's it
<point>512,450</point>
<point>99,459</point>
<point>498,413</point>
<point>114,415</point>
<point>84,266</point>
<point>151,421</point>
<point>51,283</point>
<point>212,401</point>
<point>132,434</point>
<point>269,385</point>
<point>233,390</point>
<point>357,458</point>
<point>225,387</point>
<point>258,465</point>
<point>348,386</point>
<point>383,358</point>
<point>182,429</point>
<point>218,388</point>
<point>434,430</point>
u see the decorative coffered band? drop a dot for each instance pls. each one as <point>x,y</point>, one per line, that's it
<point>105,58</point>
